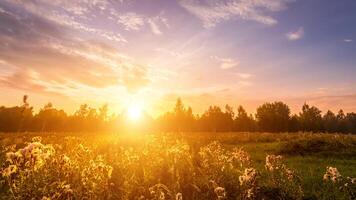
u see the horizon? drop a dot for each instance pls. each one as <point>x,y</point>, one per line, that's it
<point>207,52</point>
<point>138,110</point>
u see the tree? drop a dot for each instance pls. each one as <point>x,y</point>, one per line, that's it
<point>273,117</point>
<point>180,119</point>
<point>342,124</point>
<point>243,122</point>
<point>310,119</point>
<point>50,119</point>
<point>84,119</point>
<point>351,123</point>
<point>229,117</point>
<point>17,118</point>
<point>293,124</point>
<point>214,119</point>
<point>330,122</point>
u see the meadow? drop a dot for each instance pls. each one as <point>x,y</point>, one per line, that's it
<point>177,166</point>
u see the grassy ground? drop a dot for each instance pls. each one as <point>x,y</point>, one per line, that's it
<point>308,154</point>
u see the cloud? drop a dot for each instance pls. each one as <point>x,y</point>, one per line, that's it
<point>154,27</point>
<point>348,40</point>
<point>135,22</point>
<point>43,56</point>
<point>296,35</point>
<point>244,75</point>
<point>131,21</point>
<point>213,12</point>
<point>156,23</point>
<point>80,15</point>
<point>77,12</point>
<point>226,63</point>
<point>169,52</point>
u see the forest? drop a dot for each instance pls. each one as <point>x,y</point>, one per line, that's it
<point>269,117</point>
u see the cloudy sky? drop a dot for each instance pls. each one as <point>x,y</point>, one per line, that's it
<point>153,51</point>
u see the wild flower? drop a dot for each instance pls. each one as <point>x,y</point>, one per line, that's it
<point>273,162</point>
<point>250,193</point>
<point>33,155</point>
<point>352,180</point>
<point>37,139</point>
<point>241,156</point>
<point>66,159</point>
<point>220,192</point>
<point>283,178</point>
<point>97,174</point>
<point>332,174</point>
<point>9,171</point>
<point>248,180</point>
<point>160,192</point>
<point>290,174</point>
<point>78,169</point>
<point>179,196</point>
<point>215,159</point>
<point>249,177</point>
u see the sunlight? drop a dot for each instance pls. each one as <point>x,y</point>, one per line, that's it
<point>134,111</point>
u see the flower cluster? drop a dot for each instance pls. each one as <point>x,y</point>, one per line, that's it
<point>248,180</point>
<point>160,192</point>
<point>156,168</point>
<point>241,156</point>
<point>220,192</point>
<point>274,162</point>
<point>332,174</point>
<point>96,175</point>
<point>33,156</point>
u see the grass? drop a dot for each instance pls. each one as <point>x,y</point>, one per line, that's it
<point>306,153</point>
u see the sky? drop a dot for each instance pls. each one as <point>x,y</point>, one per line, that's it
<point>150,52</point>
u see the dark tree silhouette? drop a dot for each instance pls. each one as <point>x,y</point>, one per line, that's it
<point>243,122</point>
<point>214,119</point>
<point>50,119</point>
<point>180,119</point>
<point>273,117</point>
<point>310,119</point>
<point>330,122</point>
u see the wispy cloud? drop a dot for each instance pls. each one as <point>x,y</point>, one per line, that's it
<point>226,63</point>
<point>135,22</point>
<point>156,23</point>
<point>244,75</point>
<point>154,27</point>
<point>169,52</point>
<point>212,12</point>
<point>76,12</point>
<point>296,35</point>
<point>45,57</point>
<point>131,21</point>
<point>348,40</point>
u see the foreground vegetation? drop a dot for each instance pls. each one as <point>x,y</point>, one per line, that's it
<point>177,166</point>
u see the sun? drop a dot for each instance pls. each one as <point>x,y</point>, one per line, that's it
<point>134,112</point>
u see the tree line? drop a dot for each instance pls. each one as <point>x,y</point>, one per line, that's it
<point>269,117</point>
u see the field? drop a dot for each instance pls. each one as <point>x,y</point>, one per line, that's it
<point>177,166</point>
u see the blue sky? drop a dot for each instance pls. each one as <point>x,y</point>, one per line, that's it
<point>205,51</point>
